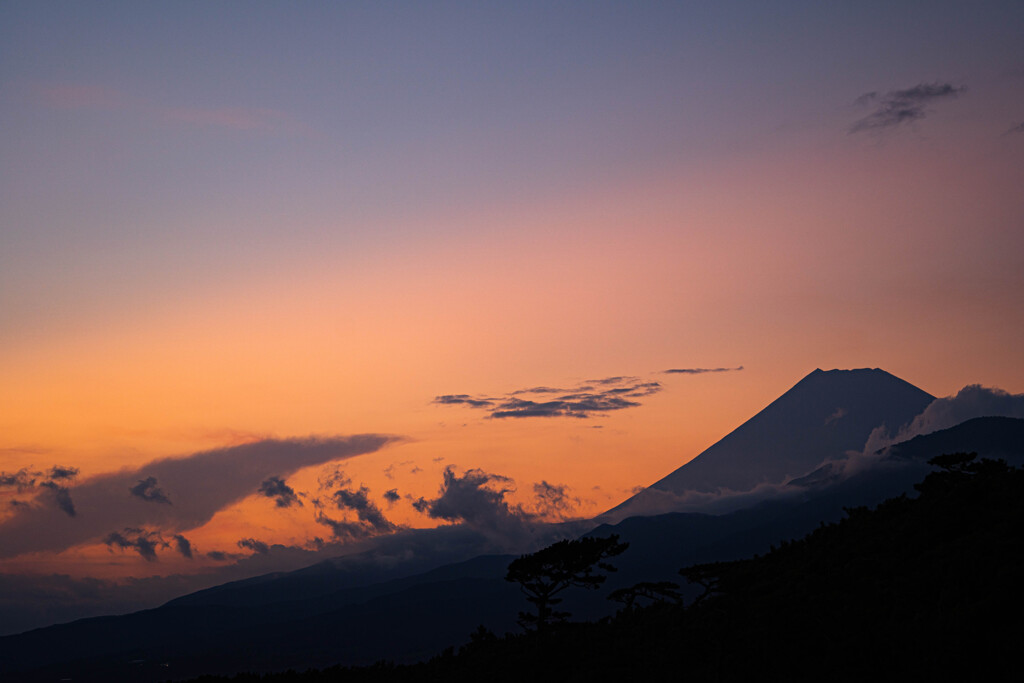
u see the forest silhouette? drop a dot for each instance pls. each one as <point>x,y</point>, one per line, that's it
<point>916,588</point>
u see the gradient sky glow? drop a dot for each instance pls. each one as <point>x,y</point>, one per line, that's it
<point>222,223</point>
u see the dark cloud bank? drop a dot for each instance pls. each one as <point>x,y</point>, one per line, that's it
<point>171,494</point>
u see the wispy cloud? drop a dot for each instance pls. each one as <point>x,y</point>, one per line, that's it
<point>20,481</point>
<point>61,497</point>
<point>699,371</point>
<point>553,500</point>
<point>183,546</point>
<point>972,401</point>
<point>49,486</point>
<point>27,478</point>
<point>284,496</point>
<point>593,397</point>
<point>1014,130</point>
<point>148,490</point>
<point>143,541</point>
<point>897,107</point>
<point>258,547</point>
<point>370,521</point>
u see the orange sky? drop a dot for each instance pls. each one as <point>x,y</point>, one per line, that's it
<point>676,273</point>
<point>313,242</point>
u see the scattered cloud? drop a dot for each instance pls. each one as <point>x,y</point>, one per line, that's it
<point>699,371</point>
<point>389,471</point>
<point>391,495</point>
<point>142,541</point>
<point>477,501</point>
<point>367,512</point>
<point>60,473</point>
<point>27,478</point>
<point>48,486</point>
<point>61,497</point>
<point>333,476</point>
<point>220,556</point>
<point>477,498</point>
<point>183,546</point>
<point>20,481</point>
<point>199,484</point>
<point>553,500</point>
<point>370,521</point>
<point>594,397</point>
<point>464,399</point>
<point>897,107</point>
<point>148,490</point>
<point>258,547</point>
<point>284,496</point>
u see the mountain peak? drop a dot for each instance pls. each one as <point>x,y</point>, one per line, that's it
<point>824,415</point>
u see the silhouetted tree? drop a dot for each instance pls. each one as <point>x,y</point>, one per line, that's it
<point>705,575</point>
<point>653,591</point>
<point>546,573</point>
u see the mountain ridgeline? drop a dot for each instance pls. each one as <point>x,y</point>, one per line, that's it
<point>341,612</point>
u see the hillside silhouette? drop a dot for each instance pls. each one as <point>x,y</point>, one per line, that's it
<point>917,588</point>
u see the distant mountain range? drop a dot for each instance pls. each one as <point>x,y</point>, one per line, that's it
<point>783,472</point>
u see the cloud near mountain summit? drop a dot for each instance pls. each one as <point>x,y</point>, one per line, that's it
<point>970,402</point>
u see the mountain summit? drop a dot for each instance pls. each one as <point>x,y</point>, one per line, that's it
<point>823,416</point>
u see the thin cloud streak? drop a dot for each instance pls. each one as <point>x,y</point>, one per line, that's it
<point>699,371</point>
<point>593,397</point>
<point>897,107</point>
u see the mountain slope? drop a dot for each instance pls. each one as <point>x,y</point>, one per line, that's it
<point>823,416</point>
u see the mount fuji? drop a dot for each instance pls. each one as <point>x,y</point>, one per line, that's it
<point>823,417</point>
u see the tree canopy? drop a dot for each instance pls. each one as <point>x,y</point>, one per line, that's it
<point>546,573</point>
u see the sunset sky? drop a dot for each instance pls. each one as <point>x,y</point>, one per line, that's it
<point>240,234</point>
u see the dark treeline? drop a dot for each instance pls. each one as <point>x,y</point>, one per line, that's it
<point>918,588</point>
